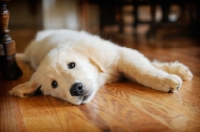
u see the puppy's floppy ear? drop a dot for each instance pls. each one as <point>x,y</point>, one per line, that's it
<point>25,90</point>
<point>97,64</point>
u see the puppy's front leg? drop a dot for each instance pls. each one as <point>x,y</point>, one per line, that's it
<point>137,67</point>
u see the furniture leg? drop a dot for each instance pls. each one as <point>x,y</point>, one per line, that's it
<point>8,66</point>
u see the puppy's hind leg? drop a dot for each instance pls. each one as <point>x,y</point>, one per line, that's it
<point>174,68</point>
<point>137,67</point>
<point>21,57</point>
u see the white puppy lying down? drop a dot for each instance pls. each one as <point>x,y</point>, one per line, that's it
<point>73,65</point>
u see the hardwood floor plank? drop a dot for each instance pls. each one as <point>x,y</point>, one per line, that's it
<point>106,121</point>
<point>71,116</point>
<point>164,107</point>
<point>10,115</point>
<point>42,113</point>
<point>38,115</point>
<point>122,111</point>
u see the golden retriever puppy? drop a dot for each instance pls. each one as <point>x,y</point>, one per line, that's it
<point>73,65</point>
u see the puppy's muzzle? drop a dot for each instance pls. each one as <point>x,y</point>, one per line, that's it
<point>76,89</point>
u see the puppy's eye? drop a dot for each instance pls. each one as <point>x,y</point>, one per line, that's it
<point>71,65</point>
<point>54,84</point>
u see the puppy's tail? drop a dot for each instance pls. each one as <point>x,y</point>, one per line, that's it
<point>174,68</point>
<point>21,57</point>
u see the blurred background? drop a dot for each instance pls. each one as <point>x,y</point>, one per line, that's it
<point>131,23</point>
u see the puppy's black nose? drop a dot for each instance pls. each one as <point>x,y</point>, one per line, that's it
<point>76,89</point>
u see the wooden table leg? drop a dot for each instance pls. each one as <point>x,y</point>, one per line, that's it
<point>8,66</point>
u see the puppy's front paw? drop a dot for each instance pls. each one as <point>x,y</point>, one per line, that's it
<point>185,73</point>
<point>171,83</point>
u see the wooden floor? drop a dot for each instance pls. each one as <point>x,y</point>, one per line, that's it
<point>120,106</point>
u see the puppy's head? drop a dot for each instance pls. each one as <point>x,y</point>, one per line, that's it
<point>69,75</point>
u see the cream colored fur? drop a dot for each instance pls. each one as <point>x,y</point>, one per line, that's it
<point>97,62</point>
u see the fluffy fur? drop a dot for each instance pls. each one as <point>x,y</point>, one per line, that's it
<point>97,61</point>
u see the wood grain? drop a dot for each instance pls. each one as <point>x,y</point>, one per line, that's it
<point>120,106</point>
